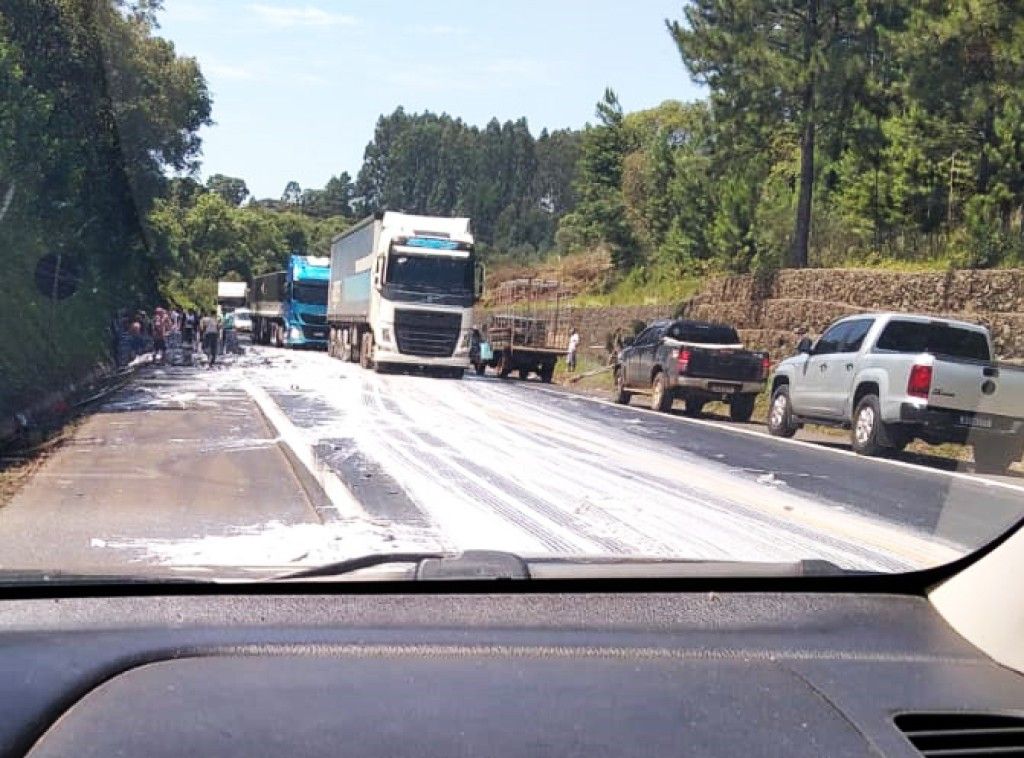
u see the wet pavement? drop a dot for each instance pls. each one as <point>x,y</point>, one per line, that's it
<point>281,459</point>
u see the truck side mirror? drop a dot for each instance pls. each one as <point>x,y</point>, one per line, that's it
<point>805,345</point>
<point>478,281</point>
<point>628,341</point>
<point>376,274</point>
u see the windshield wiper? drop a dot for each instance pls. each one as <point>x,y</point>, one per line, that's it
<point>497,565</point>
<point>471,564</point>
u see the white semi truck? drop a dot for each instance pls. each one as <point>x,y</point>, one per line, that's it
<point>401,293</point>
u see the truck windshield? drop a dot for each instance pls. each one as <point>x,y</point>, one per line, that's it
<point>310,293</point>
<point>430,272</point>
<point>938,339</point>
<point>707,334</point>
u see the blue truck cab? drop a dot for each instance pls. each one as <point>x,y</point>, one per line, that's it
<point>305,302</point>
<point>289,308</point>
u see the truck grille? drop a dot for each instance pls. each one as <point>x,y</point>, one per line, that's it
<point>427,334</point>
<point>312,318</point>
<point>314,332</point>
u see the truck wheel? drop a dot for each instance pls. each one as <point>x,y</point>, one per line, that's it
<point>741,408</point>
<point>993,455</point>
<point>480,368</point>
<point>867,432</point>
<point>622,395</point>
<point>279,335</point>
<point>504,366</point>
<point>661,395</point>
<point>366,351</point>
<point>524,373</point>
<point>547,373</point>
<point>780,416</point>
<point>693,407</point>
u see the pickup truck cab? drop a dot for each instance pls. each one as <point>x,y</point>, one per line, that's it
<point>894,377</point>
<point>694,361</point>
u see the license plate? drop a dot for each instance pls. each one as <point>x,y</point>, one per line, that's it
<point>319,334</point>
<point>979,422</point>
<point>724,389</point>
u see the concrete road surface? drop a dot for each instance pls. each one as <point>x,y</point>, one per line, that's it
<point>282,459</point>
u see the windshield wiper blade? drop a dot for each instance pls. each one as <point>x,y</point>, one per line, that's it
<point>471,564</point>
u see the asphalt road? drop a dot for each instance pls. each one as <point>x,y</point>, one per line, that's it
<point>278,459</point>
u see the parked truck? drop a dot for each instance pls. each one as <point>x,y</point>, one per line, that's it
<point>693,361</point>
<point>893,377</point>
<point>526,330</point>
<point>402,290</point>
<point>231,296</point>
<point>289,308</point>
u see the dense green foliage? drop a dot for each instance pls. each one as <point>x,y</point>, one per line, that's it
<point>836,132</point>
<point>94,110</point>
<point>513,186</point>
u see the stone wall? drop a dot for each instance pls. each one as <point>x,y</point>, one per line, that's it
<point>772,311</point>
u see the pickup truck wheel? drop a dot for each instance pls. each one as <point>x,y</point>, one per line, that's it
<point>780,417</point>
<point>741,407</point>
<point>622,395</point>
<point>480,368</point>
<point>661,395</point>
<point>994,455</point>
<point>868,433</point>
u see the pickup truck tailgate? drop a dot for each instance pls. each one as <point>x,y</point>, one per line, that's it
<point>729,363</point>
<point>977,387</point>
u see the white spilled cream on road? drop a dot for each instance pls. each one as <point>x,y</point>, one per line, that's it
<point>490,467</point>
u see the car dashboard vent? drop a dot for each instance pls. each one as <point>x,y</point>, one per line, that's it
<point>963,735</point>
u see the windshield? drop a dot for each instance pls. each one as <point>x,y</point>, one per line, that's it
<point>442,273</point>
<point>708,334</point>
<point>938,339</point>
<point>310,293</point>
<point>582,282</point>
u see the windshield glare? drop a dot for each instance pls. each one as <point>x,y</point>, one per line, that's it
<point>447,274</point>
<point>286,285</point>
<point>310,293</point>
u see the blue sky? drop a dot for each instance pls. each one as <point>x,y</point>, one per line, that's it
<point>298,86</point>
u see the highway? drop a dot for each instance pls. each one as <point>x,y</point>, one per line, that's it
<point>281,459</point>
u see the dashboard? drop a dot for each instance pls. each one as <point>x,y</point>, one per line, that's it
<point>504,674</point>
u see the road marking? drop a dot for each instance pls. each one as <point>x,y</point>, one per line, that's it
<point>337,492</point>
<point>769,438</point>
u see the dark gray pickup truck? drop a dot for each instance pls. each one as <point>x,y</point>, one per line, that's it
<point>694,361</point>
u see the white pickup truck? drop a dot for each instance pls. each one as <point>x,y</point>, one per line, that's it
<point>894,377</point>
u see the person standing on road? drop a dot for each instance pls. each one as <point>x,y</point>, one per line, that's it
<point>161,328</point>
<point>209,329</point>
<point>574,345</point>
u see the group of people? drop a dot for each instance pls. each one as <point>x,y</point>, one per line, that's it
<point>139,333</point>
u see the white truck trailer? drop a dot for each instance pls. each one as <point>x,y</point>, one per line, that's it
<point>401,293</point>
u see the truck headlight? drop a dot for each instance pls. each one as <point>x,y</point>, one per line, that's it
<point>295,333</point>
<point>385,336</point>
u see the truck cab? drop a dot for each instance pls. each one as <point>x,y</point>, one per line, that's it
<point>305,302</point>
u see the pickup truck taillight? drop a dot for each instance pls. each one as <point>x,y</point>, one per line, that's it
<point>766,367</point>
<point>683,361</point>
<point>920,382</point>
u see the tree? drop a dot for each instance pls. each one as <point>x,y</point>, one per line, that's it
<point>233,190</point>
<point>292,194</point>
<point>601,211</point>
<point>772,65</point>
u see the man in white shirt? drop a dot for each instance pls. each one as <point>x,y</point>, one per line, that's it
<point>574,344</point>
